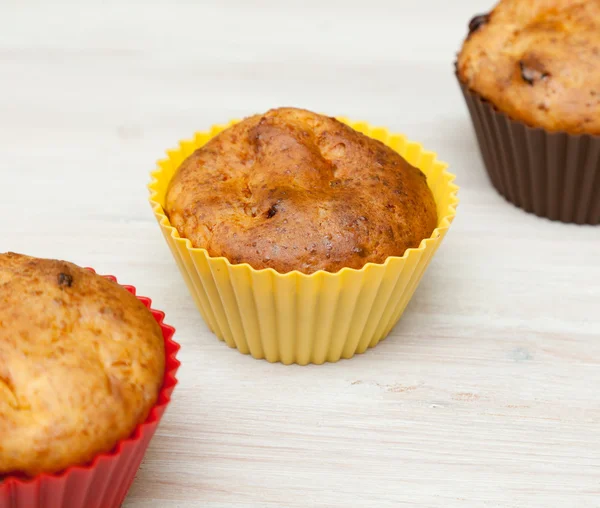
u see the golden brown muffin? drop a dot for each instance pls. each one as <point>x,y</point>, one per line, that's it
<point>81,364</point>
<point>293,190</point>
<point>539,62</point>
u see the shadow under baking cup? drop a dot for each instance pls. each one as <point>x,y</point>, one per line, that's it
<point>105,481</point>
<point>295,317</point>
<point>551,174</point>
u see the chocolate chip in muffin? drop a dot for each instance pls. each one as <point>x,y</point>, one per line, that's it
<point>272,211</point>
<point>477,22</point>
<point>532,72</point>
<point>64,279</point>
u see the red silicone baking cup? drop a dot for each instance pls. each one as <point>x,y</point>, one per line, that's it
<point>104,482</point>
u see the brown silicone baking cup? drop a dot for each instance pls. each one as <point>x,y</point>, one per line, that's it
<point>551,174</point>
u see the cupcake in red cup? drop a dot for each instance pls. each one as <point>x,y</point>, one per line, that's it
<point>86,372</point>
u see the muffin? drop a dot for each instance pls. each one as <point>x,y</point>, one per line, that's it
<point>301,237</point>
<point>530,72</point>
<point>293,190</point>
<point>82,364</point>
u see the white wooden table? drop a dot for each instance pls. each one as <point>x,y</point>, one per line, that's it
<point>486,393</point>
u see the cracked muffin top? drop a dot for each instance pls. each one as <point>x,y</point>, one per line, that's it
<point>293,190</point>
<point>538,61</point>
<point>81,364</point>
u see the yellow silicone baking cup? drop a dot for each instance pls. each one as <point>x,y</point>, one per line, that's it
<point>294,317</point>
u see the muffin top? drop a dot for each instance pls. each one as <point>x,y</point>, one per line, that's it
<point>81,364</point>
<point>538,61</point>
<point>293,190</point>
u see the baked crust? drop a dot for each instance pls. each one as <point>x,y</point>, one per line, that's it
<point>293,190</point>
<point>81,364</point>
<point>539,62</point>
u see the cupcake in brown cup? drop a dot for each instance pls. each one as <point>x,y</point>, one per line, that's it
<point>530,73</point>
<point>86,370</point>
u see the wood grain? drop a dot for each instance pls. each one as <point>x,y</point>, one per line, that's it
<point>485,394</point>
